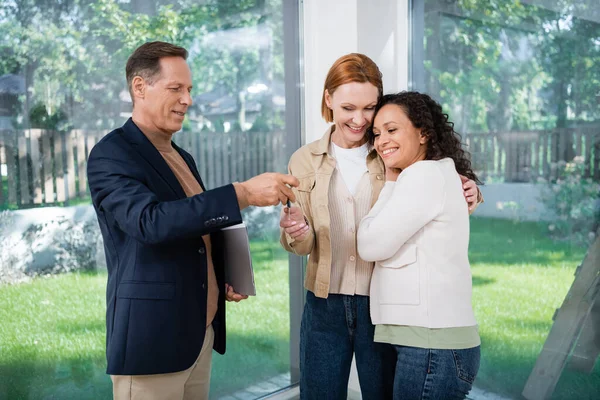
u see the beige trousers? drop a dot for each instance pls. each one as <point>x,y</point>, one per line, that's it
<point>191,384</point>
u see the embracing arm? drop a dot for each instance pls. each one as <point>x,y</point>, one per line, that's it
<point>136,209</point>
<point>472,193</point>
<point>403,208</point>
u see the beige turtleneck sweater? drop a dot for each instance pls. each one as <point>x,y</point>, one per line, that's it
<point>191,187</point>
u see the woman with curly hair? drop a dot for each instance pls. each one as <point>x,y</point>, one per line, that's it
<point>418,235</point>
<point>340,179</point>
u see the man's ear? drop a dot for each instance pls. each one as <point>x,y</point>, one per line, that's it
<point>328,99</point>
<point>138,87</point>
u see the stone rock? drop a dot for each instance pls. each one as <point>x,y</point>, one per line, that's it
<point>53,240</point>
<point>48,241</point>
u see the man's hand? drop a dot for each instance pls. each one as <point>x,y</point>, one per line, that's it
<point>471,192</point>
<point>293,222</point>
<point>232,295</point>
<point>268,189</point>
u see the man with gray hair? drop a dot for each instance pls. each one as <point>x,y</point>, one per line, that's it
<point>166,290</point>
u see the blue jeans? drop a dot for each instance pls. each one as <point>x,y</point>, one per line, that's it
<point>434,374</point>
<point>332,330</point>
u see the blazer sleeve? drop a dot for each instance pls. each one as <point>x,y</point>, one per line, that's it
<point>402,209</point>
<point>117,188</point>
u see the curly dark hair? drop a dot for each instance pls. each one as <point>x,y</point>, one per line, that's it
<point>426,114</point>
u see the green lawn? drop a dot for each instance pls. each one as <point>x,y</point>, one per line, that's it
<point>52,329</point>
<point>52,334</point>
<point>520,277</point>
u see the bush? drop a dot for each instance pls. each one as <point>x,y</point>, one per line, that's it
<point>573,203</point>
<point>262,222</point>
<point>40,118</point>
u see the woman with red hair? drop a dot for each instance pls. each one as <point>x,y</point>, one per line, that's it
<point>340,179</point>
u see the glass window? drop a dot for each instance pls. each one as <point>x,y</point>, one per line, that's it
<point>520,80</point>
<point>62,87</point>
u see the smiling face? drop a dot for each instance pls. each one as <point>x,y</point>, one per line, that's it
<point>162,102</point>
<point>396,139</point>
<point>352,105</point>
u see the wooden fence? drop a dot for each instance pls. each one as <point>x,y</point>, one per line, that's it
<point>45,168</point>
<point>528,155</point>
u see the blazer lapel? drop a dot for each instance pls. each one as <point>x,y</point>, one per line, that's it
<point>146,149</point>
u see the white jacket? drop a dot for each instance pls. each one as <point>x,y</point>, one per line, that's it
<point>418,234</point>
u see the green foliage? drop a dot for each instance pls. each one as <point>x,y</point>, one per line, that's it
<point>72,53</point>
<point>261,124</point>
<point>39,117</point>
<point>574,203</point>
<point>186,126</point>
<point>502,65</point>
<point>219,126</point>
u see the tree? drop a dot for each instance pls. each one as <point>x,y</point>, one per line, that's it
<point>72,52</point>
<point>502,65</point>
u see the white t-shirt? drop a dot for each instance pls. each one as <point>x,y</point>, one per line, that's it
<point>351,164</point>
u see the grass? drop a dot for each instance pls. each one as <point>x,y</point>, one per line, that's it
<point>520,277</point>
<point>52,334</point>
<point>52,329</point>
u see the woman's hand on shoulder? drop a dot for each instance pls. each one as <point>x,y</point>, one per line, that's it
<point>471,192</point>
<point>294,223</point>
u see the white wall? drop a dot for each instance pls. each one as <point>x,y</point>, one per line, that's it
<point>513,201</point>
<point>383,36</point>
<point>332,28</point>
<point>330,31</point>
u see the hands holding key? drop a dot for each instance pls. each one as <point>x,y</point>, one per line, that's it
<point>268,189</point>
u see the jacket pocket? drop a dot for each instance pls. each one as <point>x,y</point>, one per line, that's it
<point>307,184</point>
<point>405,256</point>
<point>399,277</point>
<point>146,290</point>
<point>304,193</point>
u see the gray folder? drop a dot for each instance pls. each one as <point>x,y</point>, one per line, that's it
<point>238,261</point>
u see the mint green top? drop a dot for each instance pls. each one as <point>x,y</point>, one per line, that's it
<point>464,337</point>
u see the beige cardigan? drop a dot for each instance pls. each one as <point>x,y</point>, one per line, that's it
<point>313,166</point>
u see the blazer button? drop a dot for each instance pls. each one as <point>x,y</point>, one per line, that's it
<point>206,223</point>
<point>201,250</point>
<point>225,218</point>
<point>204,286</point>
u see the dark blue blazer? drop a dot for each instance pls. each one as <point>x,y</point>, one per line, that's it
<point>157,266</point>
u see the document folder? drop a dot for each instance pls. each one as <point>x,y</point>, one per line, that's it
<point>237,258</point>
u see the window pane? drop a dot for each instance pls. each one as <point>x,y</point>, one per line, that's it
<point>62,88</point>
<point>520,81</point>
